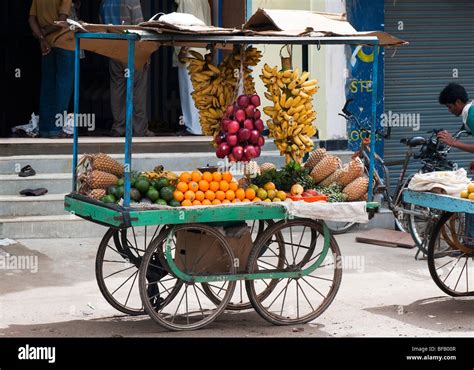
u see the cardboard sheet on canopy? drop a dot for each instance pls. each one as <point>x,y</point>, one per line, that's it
<point>264,22</point>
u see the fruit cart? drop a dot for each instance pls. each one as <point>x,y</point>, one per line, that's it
<point>183,260</point>
<point>450,248</point>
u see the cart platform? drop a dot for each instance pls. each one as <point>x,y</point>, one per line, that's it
<point>439,201</point>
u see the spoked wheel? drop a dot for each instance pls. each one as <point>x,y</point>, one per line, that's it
<point>197,250</point>
<point>117,264</point>
<point>418,227</point>
<point>239,300</point>
<point>303,298</point>
<point>450,261</point>
<point>338,228</point>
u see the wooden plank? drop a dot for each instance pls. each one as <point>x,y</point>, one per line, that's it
<point>387,238</point>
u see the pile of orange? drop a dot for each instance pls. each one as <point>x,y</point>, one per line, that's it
<point>205,189</point>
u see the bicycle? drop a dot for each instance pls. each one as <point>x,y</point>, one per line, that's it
<point>433,157</point>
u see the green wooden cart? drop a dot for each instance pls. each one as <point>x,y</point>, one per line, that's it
<point>149,260</point>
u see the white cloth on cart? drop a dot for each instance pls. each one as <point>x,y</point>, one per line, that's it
<point>341,212</point>
<point>452,182</point>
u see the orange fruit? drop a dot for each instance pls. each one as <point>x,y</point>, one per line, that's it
<point>187,203</point>
<point>197,203</point>
<point>233,186</point>
<point>227,176</point>
<point>210,195</point>
<point>250,194</point>
<point>240,194</point>
<point>214,186</point>
<point>470,188</point>
<point>224,185</point>
<point>246,201</point>
<point>217,176</point>
<point>189,195</point>
<point>196,176</point>
<point>236,200</point>
<point>185,177</point>
<point>216,202</point>
<point>200,196</point>
<point>230,195</point>
<point>203,185</point>
<point>220,195</point>
<point>226,201</point>
<point>182,187</point>
<point>193,186</point>
<point>178,195</point>
<point>207,176</point>
<point>255,200</point>
<point>206,202</point>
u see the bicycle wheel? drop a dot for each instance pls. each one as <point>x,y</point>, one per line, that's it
<point>117,264</point>
<point>240,300</point>
<point>452,267</point>
<point>294,300</point>
<point>338,228</point>
<point>191,307</point>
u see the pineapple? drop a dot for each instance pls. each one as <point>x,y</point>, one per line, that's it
<point>251,169</point>
<point>99,180</point>
<point>357,189</point>
<point>315,157</point>
<point>352,171</point>
<point>332,179</point>
<point>105,163</point>
<point>267,167</point>
<point>97,194</point>
<point>328,165</point>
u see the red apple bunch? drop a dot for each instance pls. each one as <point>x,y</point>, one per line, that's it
<point>240,139</point>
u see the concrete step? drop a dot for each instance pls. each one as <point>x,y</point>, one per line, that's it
<point>56,183</point>
<point>53,164</point>
<point>48,227</point>
<point>46,205</point>
<point>46,164</point>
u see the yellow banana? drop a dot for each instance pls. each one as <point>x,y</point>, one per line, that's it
<point>196,55</point>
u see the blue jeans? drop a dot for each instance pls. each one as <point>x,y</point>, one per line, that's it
<point>470,227</point>
<point>57,82</point>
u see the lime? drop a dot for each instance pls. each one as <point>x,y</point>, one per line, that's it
<point>174,203</point>
<point>120,191</point>
<point>153,194</point>
<point>121,182</point>
<point>167,193</point>
<point>254,187</point>
<point>135,195</point>
<point>162,182</point>
<point>161,202</point>
<point>113,190</point>
<point>109,199</point>
<point>142,185</point>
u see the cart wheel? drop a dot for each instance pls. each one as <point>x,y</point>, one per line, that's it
<point>451,263</point>
<point>294,300</point>
<point>117,264</point>
<point>240,300</point>
<point>191,309</point>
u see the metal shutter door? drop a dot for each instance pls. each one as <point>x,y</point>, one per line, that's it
<point>441,36</point>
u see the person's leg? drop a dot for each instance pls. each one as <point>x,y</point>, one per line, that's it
<point>118,85</point>
<point>469,229</point>
<point>190,112</point>
<point>140,97</point>
<point>47,94</point>
<point>64,84</point>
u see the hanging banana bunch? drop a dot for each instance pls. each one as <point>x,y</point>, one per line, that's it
<point>292,114</point>
<point>214,87</point>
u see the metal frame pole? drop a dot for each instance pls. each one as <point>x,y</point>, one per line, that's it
<point>77,71</point>
<point>373,133</point>
<point>130,75</point>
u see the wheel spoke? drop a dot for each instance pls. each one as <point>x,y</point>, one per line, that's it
<point>119,253</point>
<point>278,295</point>
<point>125,282</point>
<point>118,272</point>
<point>131,288</point>
<point>460,274</point>
<point>179,304</point>
<point>284,297</point>
<point>301,240</point>
<point>312,287</point>
<point>320,278</point>
<point>292,250</point>
<point>199,302</point>
<point>304,294</point>
<point>452,268</point>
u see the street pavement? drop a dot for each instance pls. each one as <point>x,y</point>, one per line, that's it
<point>385,292</point>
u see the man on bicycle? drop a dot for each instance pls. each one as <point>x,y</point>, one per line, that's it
<point>455,98</point>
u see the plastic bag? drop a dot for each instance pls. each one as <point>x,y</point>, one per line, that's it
<point>452,182</point>
<point>181,19</point>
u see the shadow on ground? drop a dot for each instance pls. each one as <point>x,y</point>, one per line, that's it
<point>442,314</point>
<point>242,324</point>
